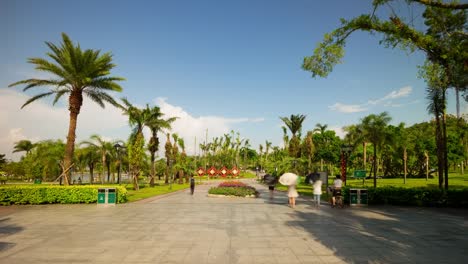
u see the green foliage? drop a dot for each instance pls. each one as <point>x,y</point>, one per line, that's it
<point>47,194</point>
<point>417,196</point>
<point>233,191</point>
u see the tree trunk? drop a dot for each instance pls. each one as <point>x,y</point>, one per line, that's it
<point>444,142</point>
<point>405,157</point>
<point>375,164</point>
<point>457,97</point>
<point>152,169</point>
<point>364,145</point>
<point>75,100</point>
<point>426,155</point>
<point>108,171</point>
<point>440,166</point>
<point>118,173</point>
<point>321,164</point>
<point>91,173</point>
<point>103,168</point>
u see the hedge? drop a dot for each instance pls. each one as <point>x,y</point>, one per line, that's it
<point>49,194</point>
<point>417,196</point>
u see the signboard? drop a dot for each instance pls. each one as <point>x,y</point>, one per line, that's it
<point>223,171</point>
<point>359,174</point>
<point>235,171</point>
<point>200,171</point>
<point>212,171</point>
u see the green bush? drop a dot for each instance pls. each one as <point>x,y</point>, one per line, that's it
<point>48,194</point>
<point>417,196</point>
<point>233,191</point>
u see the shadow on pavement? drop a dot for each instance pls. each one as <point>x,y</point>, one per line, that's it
<point>386,234</point>
<point>7,229</point>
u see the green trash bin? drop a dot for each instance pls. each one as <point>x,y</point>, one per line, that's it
<point>37,181</point>
<point>363,198</point>
<point>101,196</point>
<point>111,196</point>
<point>353,196</point>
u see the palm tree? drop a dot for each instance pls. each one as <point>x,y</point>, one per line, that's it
<point>23,145</point>
<point>321,129</point>
<point>104,148</point>
<point>374,127</point>
<point>76,72</point>
<point>156,124</point>
<point>137,118</point>
<point>285,138</point>
<point>435,107</point>
<point>294,123</point>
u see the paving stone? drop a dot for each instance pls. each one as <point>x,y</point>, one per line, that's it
<point>181,228</point>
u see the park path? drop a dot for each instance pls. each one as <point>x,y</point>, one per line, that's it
<point>181,228</point>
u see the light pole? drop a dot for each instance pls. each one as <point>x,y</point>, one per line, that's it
<point>345,152</point>
<point>118,147</point>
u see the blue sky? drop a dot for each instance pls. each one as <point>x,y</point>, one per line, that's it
<point>219,65</point>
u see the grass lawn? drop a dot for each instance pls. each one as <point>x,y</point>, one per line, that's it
<point>146,191</point>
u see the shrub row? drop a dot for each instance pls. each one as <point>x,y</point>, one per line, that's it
<point>233,191</point>
<point>417,196</point>
<point>43,194</point>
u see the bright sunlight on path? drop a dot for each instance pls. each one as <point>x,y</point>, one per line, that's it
<point>180,228</point>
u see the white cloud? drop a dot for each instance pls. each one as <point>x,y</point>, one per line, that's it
<point>338,131</point>
<point>190,127</point>
<point>347,108</point>
<point>385,101</point>
<point>40,121</point>
<point>402,92</point>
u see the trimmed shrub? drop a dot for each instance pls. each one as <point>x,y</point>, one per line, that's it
<point>49,194</point>
<point>234,191</point>
<point>418,196</point>
<point>232,184</point>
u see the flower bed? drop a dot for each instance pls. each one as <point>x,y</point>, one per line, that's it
<point>233,188</point>
<point>232,184</point>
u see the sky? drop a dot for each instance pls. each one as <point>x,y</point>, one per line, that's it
<point>216,65</point>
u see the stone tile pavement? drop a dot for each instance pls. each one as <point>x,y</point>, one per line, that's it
<point>181,228</point>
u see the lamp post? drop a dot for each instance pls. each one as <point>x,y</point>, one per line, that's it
<point>118,147</point>
<point>345,152</point>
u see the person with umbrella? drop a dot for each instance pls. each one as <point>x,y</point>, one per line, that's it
<point>271,181</point>
<point>290,180</point>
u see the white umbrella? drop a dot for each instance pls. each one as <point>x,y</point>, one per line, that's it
<point>288,179</point>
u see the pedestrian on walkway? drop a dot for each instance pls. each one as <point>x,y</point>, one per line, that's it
<point>292,194</point>
<point>192,185</point>
<point>317,191</point>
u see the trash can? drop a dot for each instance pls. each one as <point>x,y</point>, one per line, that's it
<point>358,197</point>
<point>37,181</point>
<point>107,196</point>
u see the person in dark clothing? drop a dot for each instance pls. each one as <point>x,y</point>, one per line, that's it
<point>192,185</point>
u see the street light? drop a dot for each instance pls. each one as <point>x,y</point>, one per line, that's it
<point>118,147</point>
<point>345,152</point>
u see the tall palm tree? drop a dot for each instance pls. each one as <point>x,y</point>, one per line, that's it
<point>294,123</point>
<point>76,72</point>
<point>156,124</point>
<point>285,138</point>
<point>374,130</point>
<point>137,119</point>
<point>23,145</point>
<point>267,149</point>
<point>435,106</point>
<point>321,129</point>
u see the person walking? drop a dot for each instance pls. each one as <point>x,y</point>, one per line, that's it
<point>192,185</point>
<point>292,194</point>
<point>317,186</point>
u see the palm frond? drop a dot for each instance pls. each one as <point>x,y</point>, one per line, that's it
<point>59,93</point>
<point>34,98</point>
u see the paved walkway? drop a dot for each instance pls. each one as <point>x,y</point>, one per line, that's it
<point>181,228</point>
